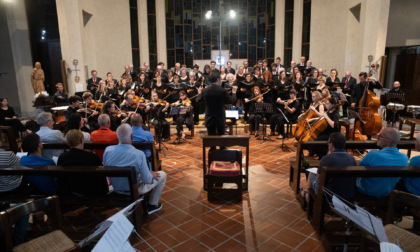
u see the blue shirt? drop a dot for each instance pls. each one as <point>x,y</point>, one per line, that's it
<point>380,187</point>
<point>413,184</point>
<point>46,184</point>
<point>126,155</point>
<point>141,135</point>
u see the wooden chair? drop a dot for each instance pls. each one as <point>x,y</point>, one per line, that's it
<point>404,135</point>
<point>232,158</point>
<point>403,203</point>
<point>53,241</point>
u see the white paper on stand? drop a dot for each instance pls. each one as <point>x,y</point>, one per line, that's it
<point>115,238</point>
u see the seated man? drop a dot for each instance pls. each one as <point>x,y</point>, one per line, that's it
<point>103,134</point>
<point>48,135</point>
<point>124,154</point>
<point>387,156</point>
<point>412,185</point>
<point>33,145</point>
<point>87,185</point>
<point>60,98</point>
<point>338,156</point>
<point>139,134</point>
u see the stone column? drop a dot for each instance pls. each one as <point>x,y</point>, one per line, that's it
<point>16,59</point>
<point>279,30</point>
<point>161,32</point>
<point>71,26</point>
<point>143,31</point>
<point>297,30</point>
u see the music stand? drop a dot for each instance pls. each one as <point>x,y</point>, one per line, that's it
<point>264,109</point>
<point>182,111</point>
<point>159,131</point>
<point>355,216</point>
<point>395,98</point>
<point>283,146</point>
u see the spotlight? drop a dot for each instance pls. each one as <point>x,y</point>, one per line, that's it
<point>232,14</point>
<point>208,14</point>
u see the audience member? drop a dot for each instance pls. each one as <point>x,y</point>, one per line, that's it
<point>139,134</point>
<point>412,185</point>
<point>389,155</point>
<point>91,185</point>
<point>124,154</point>
<point>33,145</point>
<point>104,133</point>
<point>48,135</point>
<point>338,156</point>
<point>76,122</point>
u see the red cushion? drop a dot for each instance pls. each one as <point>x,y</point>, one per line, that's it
<point>225,169</point>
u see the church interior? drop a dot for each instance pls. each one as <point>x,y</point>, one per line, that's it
<point>294,84</point>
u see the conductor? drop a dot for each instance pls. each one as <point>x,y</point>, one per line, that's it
<point>215,97</point>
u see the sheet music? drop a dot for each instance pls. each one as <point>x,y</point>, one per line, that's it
<point>103,226</point>
<point>232,114</point>
<point>55,159</point>
<point>313,170</point>
<point>389,247</point>
<point>115,238</point>
<point>21,154</point>
<point>79,87</point>
<point>362,219</point>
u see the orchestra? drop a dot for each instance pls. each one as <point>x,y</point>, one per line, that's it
<point>300,96</point>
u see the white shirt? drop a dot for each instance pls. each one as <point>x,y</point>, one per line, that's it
<point>48,135</point>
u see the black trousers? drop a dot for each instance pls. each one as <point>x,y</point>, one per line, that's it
<point>254,121</point>
<point>216,130</point>
<point>162,123</point>
<point>277,122</point>
<point>187,119</point>
<point>15,124</point>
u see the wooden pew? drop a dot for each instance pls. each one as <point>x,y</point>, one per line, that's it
<point>320,204</point>
<point>156,164</point>
<point>111,200</point>
<point>296,167</point>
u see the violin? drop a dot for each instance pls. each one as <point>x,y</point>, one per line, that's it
<point>259,98</point>
<point>96,105</point>
<point>186,102</point>
<point>159,102</point>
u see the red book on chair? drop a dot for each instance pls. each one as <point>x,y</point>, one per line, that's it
<point>225,169</point>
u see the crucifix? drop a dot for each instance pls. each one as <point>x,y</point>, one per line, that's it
<point>75,62</point>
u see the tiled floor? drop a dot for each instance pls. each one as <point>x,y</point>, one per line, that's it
<point>268,219</point>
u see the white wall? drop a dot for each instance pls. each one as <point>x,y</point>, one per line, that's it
<point>339,41</point>
<point>403,23</point>
<point>104,44</point>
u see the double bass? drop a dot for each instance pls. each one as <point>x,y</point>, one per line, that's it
<point>368,112</point>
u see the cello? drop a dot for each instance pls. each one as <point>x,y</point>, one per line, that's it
<point>318,126</point>
<point>302,125</point>
<point>368,112</point>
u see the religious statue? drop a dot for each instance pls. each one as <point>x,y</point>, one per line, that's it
<point>37,78</point>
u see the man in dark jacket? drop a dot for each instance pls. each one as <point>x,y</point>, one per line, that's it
<point>215,97</point>
<point>349,82</point>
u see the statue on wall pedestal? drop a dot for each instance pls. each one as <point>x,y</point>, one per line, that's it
<point>37,78</point>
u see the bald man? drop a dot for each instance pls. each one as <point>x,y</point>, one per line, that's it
<point>389,155</point>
